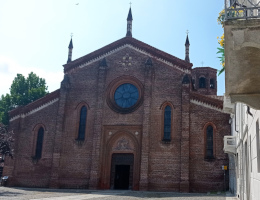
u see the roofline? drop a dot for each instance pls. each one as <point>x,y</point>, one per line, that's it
<point>35,104</point>
<point>154,52</point>
<point>211,68</point>
<point>208,100</point>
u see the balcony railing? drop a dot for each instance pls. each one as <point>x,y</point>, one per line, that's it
<point>242,50</point>
<point>230,144</point>
<point>242,9</point>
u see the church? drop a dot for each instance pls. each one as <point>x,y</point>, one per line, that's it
<point>126,116</point>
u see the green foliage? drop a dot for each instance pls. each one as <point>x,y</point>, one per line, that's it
<point>221,41</point>
<point>221,17</point>
<point>22,92</point>
<point>5,106</point>
<point>221,51</point>
<point>221,71</point>
<point>6,141</point>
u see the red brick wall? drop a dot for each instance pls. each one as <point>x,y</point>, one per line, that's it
<point>25,171</point>
<point>177,165</point>
<point>208,73</point>
<point>207,175</point>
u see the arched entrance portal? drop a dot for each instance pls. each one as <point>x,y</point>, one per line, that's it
<point>122,165</point>
<point>121,157</point>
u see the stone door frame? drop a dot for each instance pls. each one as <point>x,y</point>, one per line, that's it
<point>125,140</point>
<point>115,161</point>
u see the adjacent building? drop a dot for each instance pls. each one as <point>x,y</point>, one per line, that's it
<point>242,99</point>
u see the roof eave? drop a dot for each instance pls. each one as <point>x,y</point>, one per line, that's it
<point>131,41</point>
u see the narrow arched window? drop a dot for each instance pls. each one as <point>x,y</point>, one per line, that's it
<point>202,82</point>
<point>167,123</point>
<point>38,152</point>
<point>209,142</point>
<point>82,123</point>
<point>212,83</point>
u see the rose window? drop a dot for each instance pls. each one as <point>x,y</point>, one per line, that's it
<point>126,95</point>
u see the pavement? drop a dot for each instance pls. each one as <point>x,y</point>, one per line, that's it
<point>15,193</point>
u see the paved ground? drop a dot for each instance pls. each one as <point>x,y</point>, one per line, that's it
<point>70,194</point>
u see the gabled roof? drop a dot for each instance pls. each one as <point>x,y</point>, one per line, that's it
<point>204,68</point>
<point>35,104</point>
<point>151,51</point>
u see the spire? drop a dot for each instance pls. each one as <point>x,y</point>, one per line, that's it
<point>71,45</point>
<point>70,51</point>
<point>187,41</point>
<point>129,17</point>
<point>129,23</point>
<point>187,49</point>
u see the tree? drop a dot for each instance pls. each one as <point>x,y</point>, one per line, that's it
<point>5,106</point>
<point>22,92</point>
<point>6,141</point>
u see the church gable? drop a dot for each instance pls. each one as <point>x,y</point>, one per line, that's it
<point>124,107</point>
<point>128,42</point>
<point>125,62</point>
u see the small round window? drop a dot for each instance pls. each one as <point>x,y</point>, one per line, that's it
<point>126,95</point>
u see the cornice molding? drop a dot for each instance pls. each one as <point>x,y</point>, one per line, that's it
<point>23,115</point>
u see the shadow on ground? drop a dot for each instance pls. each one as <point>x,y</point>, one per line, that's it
<point>118,194</point>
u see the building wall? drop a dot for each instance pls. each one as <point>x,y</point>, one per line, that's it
<point>175,165</point>
<point>24,170</point>
<point>163,84</point>
<point>207,73</point>
<point>207,174</point>
<point>248,176</point>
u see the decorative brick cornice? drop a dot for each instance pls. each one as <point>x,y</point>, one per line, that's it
<point>35,106</point>
<point>206,101</point>
<point>205,68</point>
<point>128,42</point>
<point>221,98</point>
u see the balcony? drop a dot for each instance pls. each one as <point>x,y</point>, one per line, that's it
<point>230,144</point>
<point>242,51</point>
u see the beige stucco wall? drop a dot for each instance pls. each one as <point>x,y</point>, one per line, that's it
<point>242,61</point>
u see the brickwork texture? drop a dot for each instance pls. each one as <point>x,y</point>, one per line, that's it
<point>178,164</point>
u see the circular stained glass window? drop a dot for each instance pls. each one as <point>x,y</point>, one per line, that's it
<point>126,95</point>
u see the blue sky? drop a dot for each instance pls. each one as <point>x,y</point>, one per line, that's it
<point>35,35</point>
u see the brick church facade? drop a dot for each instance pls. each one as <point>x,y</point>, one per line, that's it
<point>127,116</point>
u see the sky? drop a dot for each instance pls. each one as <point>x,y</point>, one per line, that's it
<point>35,34</point>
